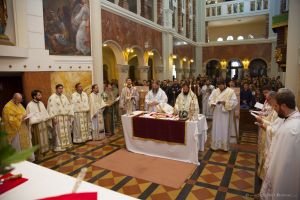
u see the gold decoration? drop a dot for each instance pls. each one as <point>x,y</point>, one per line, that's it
<point>246,63</point>
<point>278,55</point>
<point>223,63</point>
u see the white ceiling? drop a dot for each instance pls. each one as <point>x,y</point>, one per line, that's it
<point>237,21</point>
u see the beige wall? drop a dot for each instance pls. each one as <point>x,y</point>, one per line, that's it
<point>110,60</point>
<point>258,30</point>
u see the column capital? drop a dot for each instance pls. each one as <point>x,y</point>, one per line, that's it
<point>123,68</point>
<point>159,69</point>
<point>143,68</point>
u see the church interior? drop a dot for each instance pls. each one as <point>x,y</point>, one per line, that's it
<point>114,120</point>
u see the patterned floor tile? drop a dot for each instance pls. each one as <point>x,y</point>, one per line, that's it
<point>72,166</point>
<point>102,151</point>
<point>165,193</point>
<point>91,172</point>
<point>246,160</point>
<point>220,157</point>
<point>120,142</point>
<point>230,196</point>
<point>134,187</point>
<point>243,180</point>
<point>57,160</point>
<point>212,174</point>
<point>83,149</point>
<point>202,193</point>
<point>110,180</point>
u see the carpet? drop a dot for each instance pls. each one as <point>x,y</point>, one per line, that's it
<point>166,172</point>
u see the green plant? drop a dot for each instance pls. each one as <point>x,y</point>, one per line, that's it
<point>8,155</point>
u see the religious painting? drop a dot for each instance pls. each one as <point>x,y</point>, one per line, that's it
<point>69,80</point>
<point>67,27</point>
<point>4,40</point>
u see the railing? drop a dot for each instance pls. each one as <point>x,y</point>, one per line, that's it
<point>238,7</point>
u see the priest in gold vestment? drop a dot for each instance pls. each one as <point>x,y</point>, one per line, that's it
<point>14,115</point>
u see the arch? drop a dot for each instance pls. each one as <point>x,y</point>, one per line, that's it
<point>137,51</point>
<point>110,69</point>
<point>258,67</point>
<point>212,68</point>
<point>133,65</point>
<point>234,69</point>
<point>117,50</point>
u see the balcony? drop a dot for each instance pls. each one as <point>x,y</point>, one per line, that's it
<point>235,8</point>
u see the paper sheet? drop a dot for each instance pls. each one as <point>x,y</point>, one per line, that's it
<point>30,115</point>
<point>255,115</point>
<point>259,105</point>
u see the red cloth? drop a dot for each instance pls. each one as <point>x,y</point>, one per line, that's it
<point>158,129</point>
<point>10,184</point>
<point>75,196</point>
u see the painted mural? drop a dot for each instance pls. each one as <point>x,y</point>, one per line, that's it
<point>69,80</point>
<point>67,27</point>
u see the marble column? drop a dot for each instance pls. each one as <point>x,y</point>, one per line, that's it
<point>159,73</point>
<point>123,74</point>
<point>143,72</point>
<point>96,42</point>
<point>293,47</point>
<point>179,74</point>
<point>186,72</point>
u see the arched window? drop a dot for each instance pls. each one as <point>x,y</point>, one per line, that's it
<point>230,37</point>
<point>212,68</point>
<point>220,39</point>
<point>258,67</point>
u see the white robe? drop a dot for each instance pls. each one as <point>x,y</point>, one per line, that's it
<point>129,99</point>
<point>160,97</point>
<point>206,109</point>
<point>282,179</point>
<point>38,126</point>
<point>96,112</point>
<point>82,122</point>
<point>223,123</point>
<point>187,103</point>
<point>60,109</point>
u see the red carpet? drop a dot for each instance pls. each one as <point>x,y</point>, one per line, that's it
<point>157,170</point>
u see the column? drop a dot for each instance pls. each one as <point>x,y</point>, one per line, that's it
<point>143,72</point>
<point>179,73</point>
<point>96,42</point>
<point>159,72</point>
<point>167,51</point>
<point>123,74</point>
<point>199,61</point>
<point>293,45</point>
<point>186,72</point>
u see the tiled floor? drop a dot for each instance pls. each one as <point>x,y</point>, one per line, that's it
<point>221,175</point>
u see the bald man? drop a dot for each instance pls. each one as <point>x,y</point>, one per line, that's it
<point>14,115</point>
